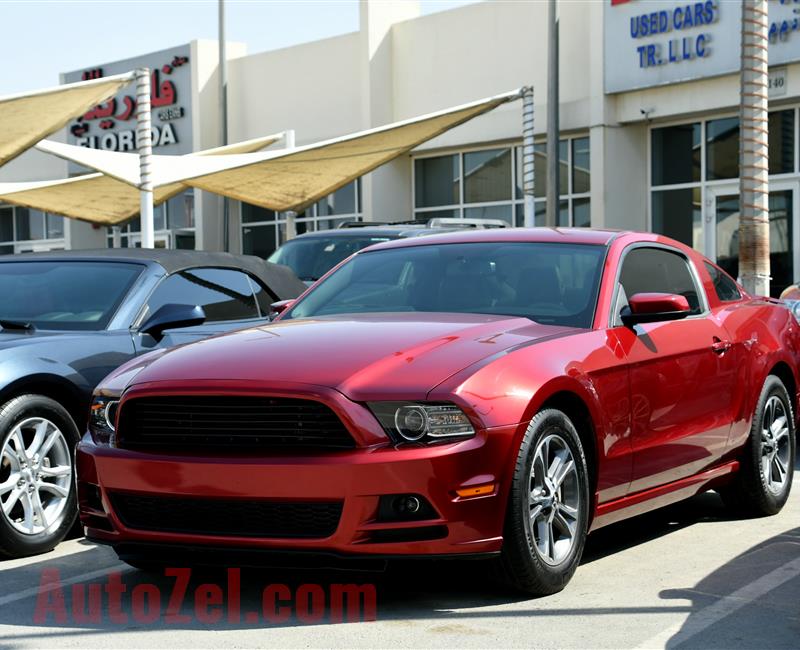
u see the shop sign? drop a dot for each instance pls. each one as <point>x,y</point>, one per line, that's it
<point>112,125</point>
<point>661,42</point>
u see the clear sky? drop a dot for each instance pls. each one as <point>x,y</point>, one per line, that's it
<point>42,38</point>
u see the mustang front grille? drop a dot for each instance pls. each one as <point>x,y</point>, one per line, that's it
<point>191,423</point>
<point>227,517</point>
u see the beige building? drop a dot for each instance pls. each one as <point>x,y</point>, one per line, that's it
<point>648,112</point>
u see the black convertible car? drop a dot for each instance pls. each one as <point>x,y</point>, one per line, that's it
<point>67,319</point>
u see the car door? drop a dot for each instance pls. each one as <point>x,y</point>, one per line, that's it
<point>683,373</point>
<point>231,299</point>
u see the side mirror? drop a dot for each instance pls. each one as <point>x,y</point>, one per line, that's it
<point>172,316</point>
<point>280,307</point>
<point>655,307</point>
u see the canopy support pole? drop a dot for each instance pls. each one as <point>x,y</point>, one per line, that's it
<point>528,175</point>
<point>291,215</point>
<point>144,141</point>
<point>553,190</point>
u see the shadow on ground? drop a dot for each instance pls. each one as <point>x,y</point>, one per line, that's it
<point>411,590</point>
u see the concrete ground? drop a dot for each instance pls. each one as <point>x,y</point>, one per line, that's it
<point>687,576</point>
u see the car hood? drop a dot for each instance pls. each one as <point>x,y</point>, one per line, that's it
<point>376,356</point>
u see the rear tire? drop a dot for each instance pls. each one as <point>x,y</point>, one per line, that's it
<point>548,508</point>
<point>764,480</point>
<point>37,469</point>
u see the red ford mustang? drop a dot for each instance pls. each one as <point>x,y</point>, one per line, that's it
<point>493,393</point>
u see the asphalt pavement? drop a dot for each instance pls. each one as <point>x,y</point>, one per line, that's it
<point>688,576</point>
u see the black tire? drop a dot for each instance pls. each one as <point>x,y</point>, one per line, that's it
<point>520,565</point>
<point>749,494</point>
<point>14,543</point>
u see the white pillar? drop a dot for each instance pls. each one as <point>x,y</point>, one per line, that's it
<point>144,139</point>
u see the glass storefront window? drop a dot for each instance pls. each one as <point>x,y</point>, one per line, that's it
<point>55,226</point>
<point>487,178</point>
<point>678,214</point>
<point>675,154</point>
<point>342,201</point>
<point>581,168</point>
<point>581,213</point>
<point>490,212</point>
<point>781,142</point>
<point>259,240</point>
<point>722,148</point>
<point>6,224</point>
<point>254,213</point>
<point>487,175</point>
<point>436,181</point>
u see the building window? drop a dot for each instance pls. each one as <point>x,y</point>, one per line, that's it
<point>694,189</point>
<point>264,230</point>
<point>781,142</point>
<point>722,149</point>
<point>173,223</point>
<point>23,230</point>
<point>676,154</point>
<point>487,183</point>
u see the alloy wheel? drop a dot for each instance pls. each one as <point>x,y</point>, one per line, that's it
<point>35,476</point>
<point>554,501</point>
<point>775,445</point>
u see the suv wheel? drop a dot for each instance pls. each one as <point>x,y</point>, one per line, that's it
<point>37,487</point>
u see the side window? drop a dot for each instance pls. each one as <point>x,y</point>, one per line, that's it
<point>655,270</point>
<point>264,297</point>
<point>726,289</point>
<point>224,294</point>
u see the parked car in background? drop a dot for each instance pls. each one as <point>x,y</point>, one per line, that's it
<point>67,319</point>
<point>496,394</point>
<point>312,255</point>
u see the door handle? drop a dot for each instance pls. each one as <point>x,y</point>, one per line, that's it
<point>719,346</point>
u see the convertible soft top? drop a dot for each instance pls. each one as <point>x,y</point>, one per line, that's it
<point>280,279</point>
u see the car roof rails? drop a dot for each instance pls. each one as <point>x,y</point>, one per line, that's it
<point>454,222</point>
<point>372,224</point>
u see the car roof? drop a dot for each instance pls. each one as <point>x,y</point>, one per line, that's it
<point>550,235</point>
<point>280,279</point>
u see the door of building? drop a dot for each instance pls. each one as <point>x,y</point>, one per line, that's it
<point>721,234</point>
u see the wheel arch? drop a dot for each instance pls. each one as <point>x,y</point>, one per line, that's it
<point>577,410</point>
<point>53,386</point>
<point>783,371</point>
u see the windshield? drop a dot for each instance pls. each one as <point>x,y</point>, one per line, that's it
<point>546,282</point>
<point>312,257</point>
<point>64,295</point>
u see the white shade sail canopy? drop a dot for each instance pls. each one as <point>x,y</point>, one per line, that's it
<point>27,118</point>
<point>101,198</point>
<point>286,179</point>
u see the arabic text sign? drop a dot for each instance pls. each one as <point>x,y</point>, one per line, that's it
<point>112,125</point>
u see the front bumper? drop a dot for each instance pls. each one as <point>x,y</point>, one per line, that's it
<point>357,478</point>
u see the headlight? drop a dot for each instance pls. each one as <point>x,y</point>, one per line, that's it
<point>103,418</point>
<point>416,421</point>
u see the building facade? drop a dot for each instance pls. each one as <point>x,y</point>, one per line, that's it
<point>649,97</point>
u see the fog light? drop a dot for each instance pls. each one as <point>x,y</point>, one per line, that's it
<point>407,505</point>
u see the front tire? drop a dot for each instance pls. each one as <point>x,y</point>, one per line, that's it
<point>37,488</point>
<point>762,485</point>
<point>548,508</point>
